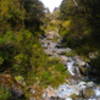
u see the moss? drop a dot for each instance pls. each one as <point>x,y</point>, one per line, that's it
<point>88,92</point>
<point>74,97</point>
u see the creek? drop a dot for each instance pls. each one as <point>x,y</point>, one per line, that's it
<point>79,86</point>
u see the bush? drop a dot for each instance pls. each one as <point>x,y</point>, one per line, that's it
<point>5,94</point>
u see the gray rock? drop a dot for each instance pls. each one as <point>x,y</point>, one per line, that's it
<point>17,93</point>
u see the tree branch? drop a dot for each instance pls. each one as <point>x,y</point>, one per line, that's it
<point>75,2</point>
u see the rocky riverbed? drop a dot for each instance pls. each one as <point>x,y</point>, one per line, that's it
<point>79,87</point>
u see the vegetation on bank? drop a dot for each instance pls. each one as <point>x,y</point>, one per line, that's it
<point>81,29</point>
<point>21,56</point>
<point>23,62</point>
<point>78,22</point>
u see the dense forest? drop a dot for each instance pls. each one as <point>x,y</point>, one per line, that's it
<point>23,63</point>
<point>83,32</point>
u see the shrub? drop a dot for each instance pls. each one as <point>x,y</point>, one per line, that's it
<point>5,94</point>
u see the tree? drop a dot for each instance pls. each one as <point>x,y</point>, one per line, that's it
<point>85,15</point>
<point>34,13</point>
<point>11,14</point>
<point>92,13</point>
<point>21,13</point>
<point>84,32</point>
<point>19,19</point>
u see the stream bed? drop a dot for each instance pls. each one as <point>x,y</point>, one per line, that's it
<point>78,88</point>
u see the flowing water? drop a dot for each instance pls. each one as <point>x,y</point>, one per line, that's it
<point>78,88</point>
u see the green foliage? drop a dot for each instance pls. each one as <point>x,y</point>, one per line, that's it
<point>84,22</point>
<point>83,33</point>
<point>11,14</point>
<point>21,13</point>
<point>47,72</point>
<point>5,94</point>
<point>34,12</point>
<point>21,54</point>
<point>71,53</point>
<point>67,9</point>
<point>25,57</point>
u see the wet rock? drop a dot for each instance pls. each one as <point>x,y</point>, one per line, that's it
<point>63,59</point>
<point>79,61</point>
<point>49,92</point>
<point>17,93</point>
<point>82,85</point>
<point>90,84</point>
<point>73,91</point>
<point>93,55</point>
<point>66,90</point>
<point>63,51</point>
